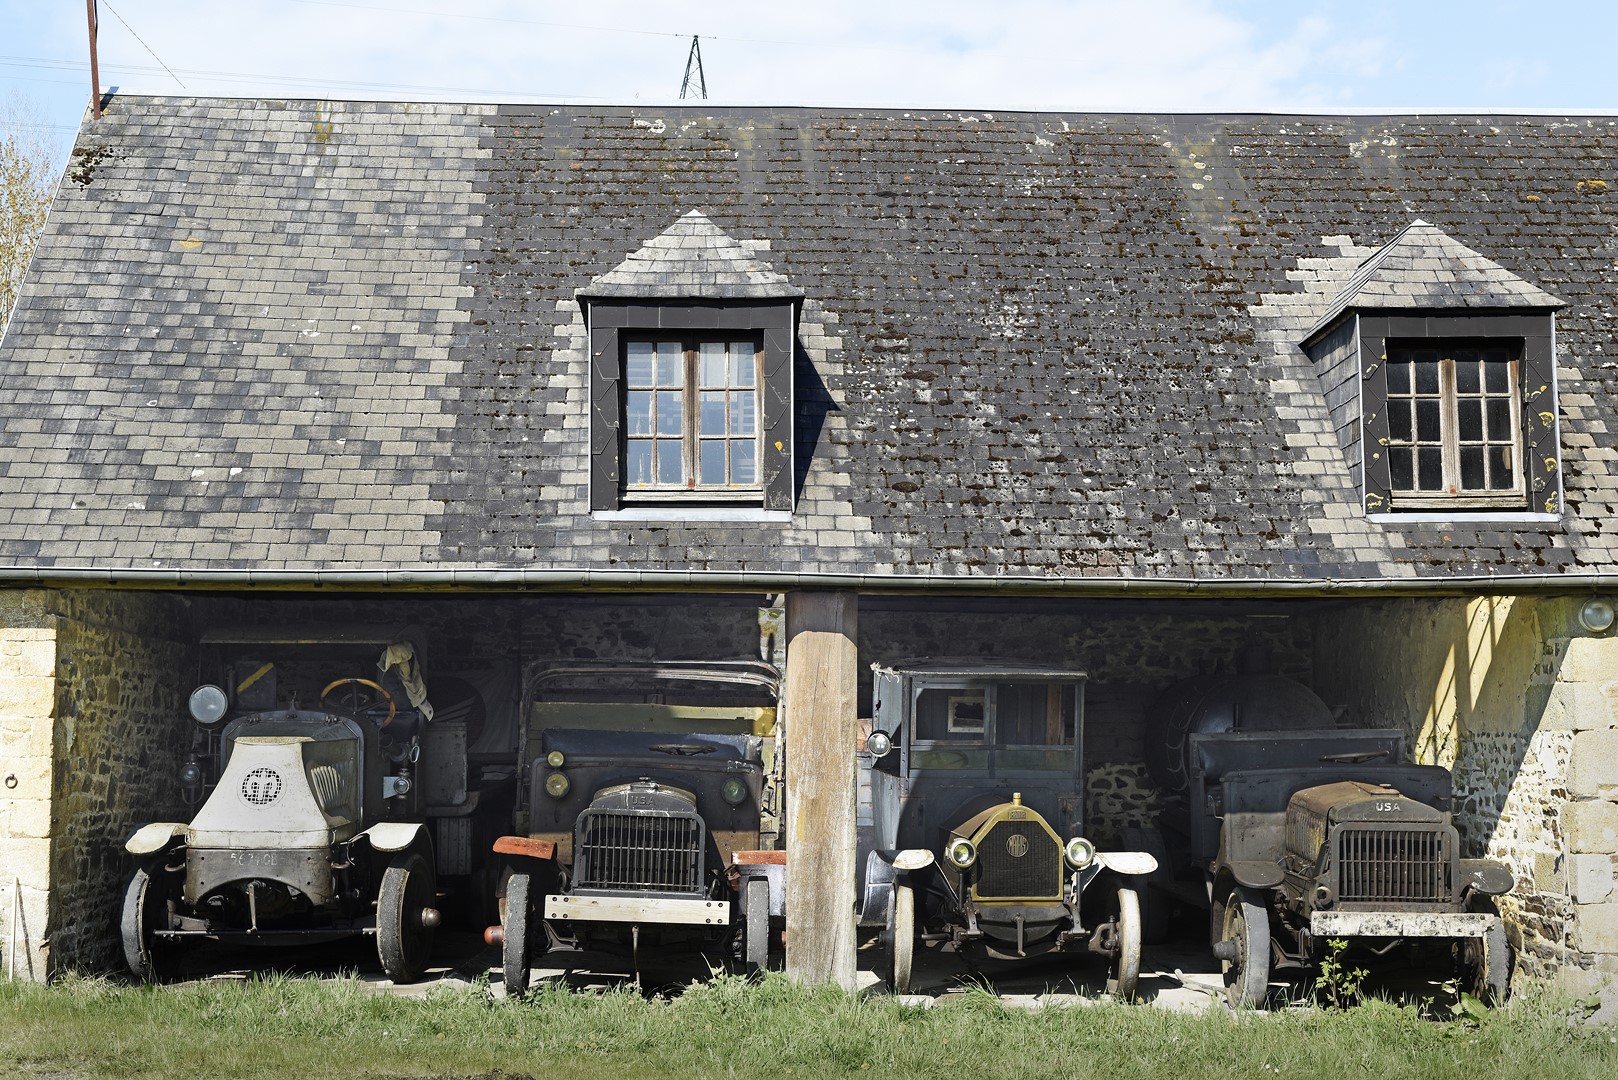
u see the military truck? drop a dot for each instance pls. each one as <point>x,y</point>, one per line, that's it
<point>650,814</point>
<point>1305,833</point>
<point>973,803</point>
<point>307,759</point>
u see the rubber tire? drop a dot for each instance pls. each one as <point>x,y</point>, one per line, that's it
<point>514,953</point>
<point>902,937</point>
<point>1124,975</point>
<point>756,928</point>
<point>402,943</point>
<point>144,904</point>
<point>1491,978</point>
<point>1247,922</point>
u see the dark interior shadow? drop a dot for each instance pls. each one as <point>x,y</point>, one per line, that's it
<point>812,402</point>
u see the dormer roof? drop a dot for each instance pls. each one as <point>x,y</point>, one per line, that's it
<point>693,259</point>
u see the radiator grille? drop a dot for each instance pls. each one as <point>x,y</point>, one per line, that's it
<point>631,851</point>
<point>1410,866</point>
<point>1036,873</point>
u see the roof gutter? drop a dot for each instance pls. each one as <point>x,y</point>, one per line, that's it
<point>585,579</point>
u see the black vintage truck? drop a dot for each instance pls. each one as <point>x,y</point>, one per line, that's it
<point>1303,832</point>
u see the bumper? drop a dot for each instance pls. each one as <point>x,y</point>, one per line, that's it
<point>1409,924</point>
<point>637,909</point>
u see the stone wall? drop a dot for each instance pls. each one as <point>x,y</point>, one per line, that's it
<point>92,727</point>
<point>1522,704</point>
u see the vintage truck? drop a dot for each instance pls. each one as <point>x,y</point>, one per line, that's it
<point>650,814</point>
<point>1304,832</point>
<point>308,759</point>
<point>973,831</point>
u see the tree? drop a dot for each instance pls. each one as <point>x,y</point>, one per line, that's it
<point>27,179</point>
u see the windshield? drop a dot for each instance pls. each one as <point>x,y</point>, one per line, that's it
<point>998,714</point>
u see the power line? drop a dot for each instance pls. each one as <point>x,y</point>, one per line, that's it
<point>142,41</point>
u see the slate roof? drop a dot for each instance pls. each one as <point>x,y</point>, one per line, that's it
<point>309,338</point>
<point>1423,268</point>
<point>692,259</point>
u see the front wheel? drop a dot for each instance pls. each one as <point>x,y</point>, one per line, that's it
<point>902,937</point>
<point>514,953</point>
<point>756,927</point>
<point>1246,941</point>
<point>145,910</point>
<point>1491,974</point>
<point>406,917</point>
<point>1125,973</point>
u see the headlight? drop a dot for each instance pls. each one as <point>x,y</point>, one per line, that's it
<point>733,791</point>
<point>1079,853</point>
<point>555,759</point>
<point>879,744</point>
<point>557,785</point>
<point>208,704</point>
<point>961,853</point>
<point>191,774</point>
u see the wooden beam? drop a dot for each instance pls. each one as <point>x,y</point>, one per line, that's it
<point>822,680</point>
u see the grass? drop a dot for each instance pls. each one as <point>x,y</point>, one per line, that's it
<point>282,1028</point>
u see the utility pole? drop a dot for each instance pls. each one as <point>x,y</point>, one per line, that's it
<point>693,61</point>
<point>95,71</point>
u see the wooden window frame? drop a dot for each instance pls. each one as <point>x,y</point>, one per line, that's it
<point>1449,428</point>
<point>691,437</point>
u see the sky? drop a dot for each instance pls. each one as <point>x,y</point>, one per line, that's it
<point>1063,55</point>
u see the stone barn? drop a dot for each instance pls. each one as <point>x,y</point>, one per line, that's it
<point>1124,394</point>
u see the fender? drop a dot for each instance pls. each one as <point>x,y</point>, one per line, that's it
<point>1487,877</point>
<point>150,839</point>
<point>393,835</point>
<point>1255,873</point>
<point>883,869</point>
<point>1136,863</point>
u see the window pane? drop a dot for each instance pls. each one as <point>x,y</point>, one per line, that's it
<point>668,412</point>
<point>742,413</point>
<point>670,364</point>
<point>1430,469</point>
<point>742,462</point>
<point>1426,378</point>
<point>638,466</point>
<point>1500,472</point>
<point>639,366</point>
<point>1398,378</point>
<point>638,411</point>
<point>1399,467</point>
<point>711,420</point>
<point>1399,428</point>
<point>713,462</point>
<point>1470,415</point>
<point>1472,468</point>
<point>713,364</point>
<point>1466,377</point>
<point>668,462</point>
<point>1496,377</point>
<point>1427,420</point>
<point>1499,419</point>
<point>742,363</point>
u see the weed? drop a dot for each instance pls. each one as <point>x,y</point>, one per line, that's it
<point>1342,985</point>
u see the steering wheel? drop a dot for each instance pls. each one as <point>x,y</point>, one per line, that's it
<point>355,704</point>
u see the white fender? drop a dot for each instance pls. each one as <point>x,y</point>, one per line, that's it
<point>393,835</point>
<point>1127,862</point>
<point>150,839</point>
<point>912,859</point>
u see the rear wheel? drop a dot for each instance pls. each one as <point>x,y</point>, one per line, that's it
<point>902,936</point>
<point>514,954</point>
<point>1246,938</point>
<point>406,917</point>
<point>1125,973</point>
<point>145,911</point>
<point>756,929</point>
<point>1491,974</point>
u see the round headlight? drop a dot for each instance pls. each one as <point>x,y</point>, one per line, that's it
<point>1079,853</point>
<point>879,744</point>
<point>557,785</point>
<point>191,775</point>
<point>555,759</point>
<point>1596,615</point>
<point>733,791</point>
<point>208,704</point>
<point>961,853</point>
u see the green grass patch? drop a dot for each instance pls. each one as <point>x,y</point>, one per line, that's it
<point>284,1028</point>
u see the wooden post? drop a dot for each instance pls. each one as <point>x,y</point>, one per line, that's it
<point>822,682</point>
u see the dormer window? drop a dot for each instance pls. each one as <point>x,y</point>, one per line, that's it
<point>1438,367</point>
<point>691,350</point>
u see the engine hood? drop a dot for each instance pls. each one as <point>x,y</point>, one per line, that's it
<point>1360,801</point>
<point>645,796</point>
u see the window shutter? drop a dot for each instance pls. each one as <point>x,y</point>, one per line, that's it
<point>1377,486</point>
<point>777,448</point>
<point>1541,452</point>
<point>605,419</point>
